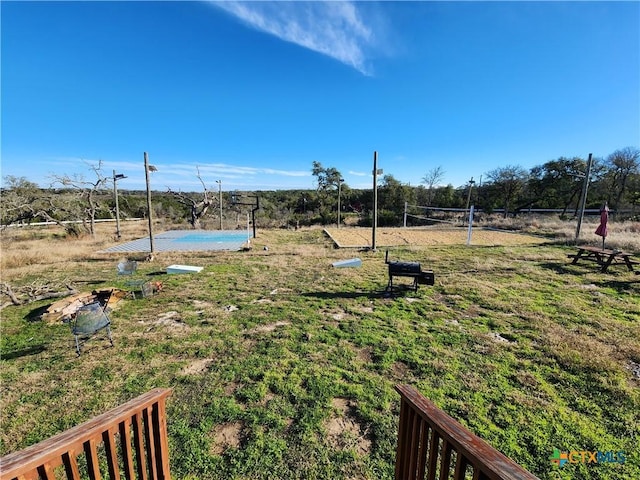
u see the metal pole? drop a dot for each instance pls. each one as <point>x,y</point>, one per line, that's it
<point>115,194</point>
<point>404,224</point>
<point>146,175</point>
<point>470,229</point>
<point>375,201</point>
<point>253,215</point>
<point>583,198</point>
<point>219,182</point>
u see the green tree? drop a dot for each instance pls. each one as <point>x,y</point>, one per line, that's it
<point>621,166</point>
<point>508,182</point>
<point>327,180</point>
<point>557,183</point>
<point>392,196</point>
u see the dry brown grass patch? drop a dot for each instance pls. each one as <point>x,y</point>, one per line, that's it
<point>388,237</point>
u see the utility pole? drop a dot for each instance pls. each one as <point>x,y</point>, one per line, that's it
<point>149,168</point>
<point>583,197</point>
<point>219,182</point>
<point>117,177</point>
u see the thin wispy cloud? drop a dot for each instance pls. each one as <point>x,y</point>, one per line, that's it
<point>176,175</point>
<point>334,29</point>
<point>225,168</point>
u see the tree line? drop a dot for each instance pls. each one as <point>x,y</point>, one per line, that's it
<point>556,184</point>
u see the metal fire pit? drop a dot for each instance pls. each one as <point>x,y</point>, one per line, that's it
<point>411,270</point>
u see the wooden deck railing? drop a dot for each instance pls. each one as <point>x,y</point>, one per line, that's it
<point>431,445</point>
<point>131,437</point>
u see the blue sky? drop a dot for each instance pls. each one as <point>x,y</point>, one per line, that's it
<point>253,93</point>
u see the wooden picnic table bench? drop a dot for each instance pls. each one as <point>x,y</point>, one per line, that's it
<point>603,257</point>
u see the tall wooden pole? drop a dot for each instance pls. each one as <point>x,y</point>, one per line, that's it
<point>146,176</point>
<point>340,180</point>
<point>375,201</point>
<point>583,197</point>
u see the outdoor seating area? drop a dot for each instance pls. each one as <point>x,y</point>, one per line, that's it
<point>604,257</point>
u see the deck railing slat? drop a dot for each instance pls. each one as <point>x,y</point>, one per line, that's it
<point>112,454</point>
<point>46,472</point>
<point>401,454</point>
<point>127,451</point>
<point>70,463</point>
<point>424,448</point>
<point>445,460</point>
<point>151,448</point>
<point>434,440</point>
<point>93,464</point>
<point>413,444</point>
<point>161,440</point>
<point>138,442</point>
<point>460,469</point>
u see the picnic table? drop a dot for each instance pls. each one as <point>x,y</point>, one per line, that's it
<point>603,257</point>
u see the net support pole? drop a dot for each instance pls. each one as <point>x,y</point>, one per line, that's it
<point>470,229</point>
<point>374,220</point>
<point>404,223</point>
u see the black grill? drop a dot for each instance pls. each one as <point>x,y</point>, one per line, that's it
<point>411,270</point>
<point>404,268</point>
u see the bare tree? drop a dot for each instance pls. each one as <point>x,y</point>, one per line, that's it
<point>431,179</point>
<point>197,207</point>
<point>84,204</point>
<point>22,201</point>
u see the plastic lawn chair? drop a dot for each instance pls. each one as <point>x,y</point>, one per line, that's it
<point>89,320</point>
<point>127,267</point>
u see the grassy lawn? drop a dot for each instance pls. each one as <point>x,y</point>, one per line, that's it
<point>283,366</point>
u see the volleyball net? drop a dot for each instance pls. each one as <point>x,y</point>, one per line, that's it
<point>429,216</point>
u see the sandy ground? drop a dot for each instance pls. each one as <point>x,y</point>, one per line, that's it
<point>390,237</point>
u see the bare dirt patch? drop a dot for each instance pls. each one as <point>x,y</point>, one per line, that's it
<point>268,328</point>
<point>393,237</point>
<point>364,355</point>
<point>225,436</point>
<point>343,430</point>
<point>198,366</point>
<point>171,320</point>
